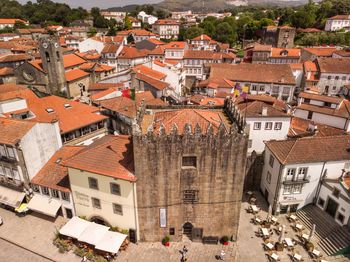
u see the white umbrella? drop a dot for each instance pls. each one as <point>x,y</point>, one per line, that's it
<point>282,234</point>
<point>269,213</point>
<point>312,232</point>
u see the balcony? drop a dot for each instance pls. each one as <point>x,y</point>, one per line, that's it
<point>296,181</point>
<point>7,159</point>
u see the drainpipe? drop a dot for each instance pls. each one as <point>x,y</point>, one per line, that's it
<point>275,200</point>
<point>319,183</point>
<point>135,212</point>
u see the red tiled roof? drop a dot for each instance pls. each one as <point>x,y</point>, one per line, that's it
<point>75,74</point>
<point>202,37</point>
<point>309,30</point>
<point>255,108</point>
<point>12,130</point>
<point>109,39</point>
<point>343,110</point>
<point>155,41</point>
<point>109,156</point>
<point>70,118</point>
<point>203,54</point>
<point>103,93</point>
<point>262,48</point>
<point>71,60</point>
<point>323,98</point>
<point>340,17</point>
<point>137,32</point>
<point>131,53</point>
<point>175,45</point>
<point>301,127</point>
<point>110,48</point>
<point>142,69</point>
<point>89,55</point>
<point>334,65</point>
<point>268,73</point>
<point>166,22</point>
<point>14,58</point>
<point>6,71</point>
<point>320,51</point>
<point>285,52</point>
<point>11,21</point>
<point>158,84</point>
<point>104,86</point>
<point>181,117</point>
<point>53,174</point>
<point>343,53</point>
<point>310,149</point>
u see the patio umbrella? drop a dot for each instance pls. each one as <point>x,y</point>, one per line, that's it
<point>312,232</point>
<point>269,213</point>
<point>280,239</point>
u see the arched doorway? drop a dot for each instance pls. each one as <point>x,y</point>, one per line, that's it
<point>99,220</point>
<point>187,229</point>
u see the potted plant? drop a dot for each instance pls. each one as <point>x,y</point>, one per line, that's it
<point>224,240</point>
<point>166,241</point>
<point>309,246</point>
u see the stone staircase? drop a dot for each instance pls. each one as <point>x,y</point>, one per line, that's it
<point>330,236</point>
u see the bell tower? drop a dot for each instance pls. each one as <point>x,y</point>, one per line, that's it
<point>52,62</point>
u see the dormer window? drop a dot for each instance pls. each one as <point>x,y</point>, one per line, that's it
<point>49,110</point>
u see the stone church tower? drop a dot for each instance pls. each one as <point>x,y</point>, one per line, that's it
<point>52,63</point>
<point>190,171</point>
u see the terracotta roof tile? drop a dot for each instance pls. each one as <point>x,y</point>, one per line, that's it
<point>155,41</point>
<point>255,108</point>
<point>53,174</point>
<point>103,93</point>
<point>202,37</point>
<point>158,84</point>
<point>323,98</point>
<point>342,111</point>
<point>166,22</point>
<point>77,115</point>
<point>109,156</point>
<point>340,17</point>
<point>175,45</point>
<point>104,86</point>
<point>11,21</point>
<point>203,54</point>
<point>71,60</point>
<point>6,71</point>
<point>311,149</point>
<point>285,52</point>
<point>137,32</point>
<point>181,117</point>
<point>110,48</point>
<point>109,39</point>
<point>142,69</point>
<point>11,130</point>
<point>334,65</point>
<point>320,51</point>
<point>131,53</point>
<point>14,58</point>
<point>75,74</point>
<point>268,73</point>
<point>300,127</point>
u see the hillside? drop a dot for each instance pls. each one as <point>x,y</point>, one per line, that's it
<point>217,5</point>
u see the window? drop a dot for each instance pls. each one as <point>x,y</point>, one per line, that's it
<point>292,189</point>
<point>254,87</point>
<point>321,202</point>
<point>268,125</point>
<point>54,193</point>
<point>343,78</point>
<point>329,77</point>
<point>278,125</point>
<point>302,172</point>
<point>189,161</point>
<point>172,231</point>
<point>2,171</point>
<point>15,174</point>
<point>336,192</point>
<point>8,173</point>
<point>117,209</point>
<point>45,191</point>
<point>190,196</point>
<point>11,152</point>
<point>65,196</point>
<point>35,188</point>
<point>2,150</point>
<point>262,88</point>
<point>271,160</point>
<point>340,217</point>
<point>93,183</point>
<point>257,125</point>
<point>250,142</point>
<point>309,115</point>
<point>290,174</point>
<point>337,78</point>
<point>115,189</point>
<point>96,203</point>
<point>268,177</point>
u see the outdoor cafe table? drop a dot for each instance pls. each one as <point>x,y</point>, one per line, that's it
<point>254,208</point>
<point>273,219</point>
<point>297,257</point>
<point>265,232</point>
<point>305,236</point>
<point>269,246</point>
<point>316,252</point>
<point>275,256</point>
<point>298,226</point>
<point>258,220</point>
<point>289,242</point>
<point>293,217</point>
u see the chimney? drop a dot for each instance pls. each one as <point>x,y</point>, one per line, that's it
<point>282,79</point>
<point>312,127</point>
<point>264,111</point>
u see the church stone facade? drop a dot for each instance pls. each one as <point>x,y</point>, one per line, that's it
<point>190,181</point>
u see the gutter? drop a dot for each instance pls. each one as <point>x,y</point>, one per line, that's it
<point>319,183</point>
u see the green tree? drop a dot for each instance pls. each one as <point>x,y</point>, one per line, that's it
<point>208,27</point>
<point>127,23</point>
<point>193,32</point>
<point>224,33</point>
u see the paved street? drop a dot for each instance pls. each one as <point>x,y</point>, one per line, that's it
<point>13,253</point>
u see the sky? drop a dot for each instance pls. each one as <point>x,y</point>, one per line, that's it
<point>100,3</point>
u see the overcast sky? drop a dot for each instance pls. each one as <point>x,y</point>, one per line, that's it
<point>100,3</point>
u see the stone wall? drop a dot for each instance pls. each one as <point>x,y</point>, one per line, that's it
<point>161,180</point>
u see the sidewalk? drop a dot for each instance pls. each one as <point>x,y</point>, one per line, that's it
<point>34,233</point>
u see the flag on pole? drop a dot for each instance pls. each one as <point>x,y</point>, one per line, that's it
<point>240,91</point>
<point>129,93</point>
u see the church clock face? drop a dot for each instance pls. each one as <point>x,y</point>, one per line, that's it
<point>28,76</point>
<point>45,45</point>
<point>56,45</point>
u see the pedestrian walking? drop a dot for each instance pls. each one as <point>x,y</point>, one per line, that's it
<point>222,255</point>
